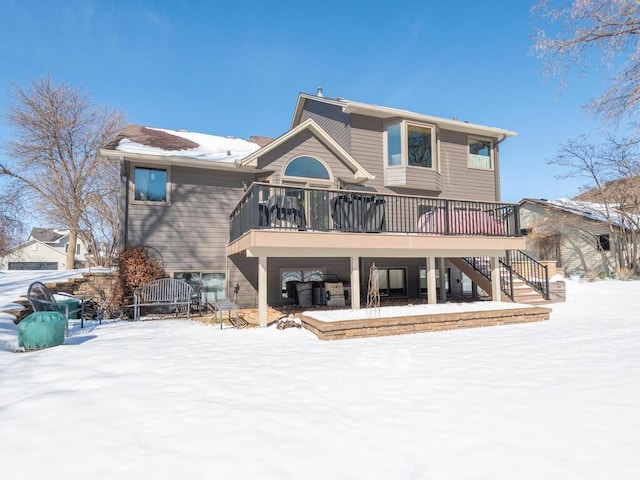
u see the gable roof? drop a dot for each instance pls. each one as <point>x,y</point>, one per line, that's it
<point>589,210</point>
<point>48,235</point>
<point>160,142</point>
<point>371,110</point>
<point>360,173</point>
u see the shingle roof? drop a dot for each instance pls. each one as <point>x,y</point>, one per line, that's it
<point>152,138</point>
<point>48,235</point>
<point>592,211</point>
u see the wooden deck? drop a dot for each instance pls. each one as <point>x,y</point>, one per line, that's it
<point>372,325</point>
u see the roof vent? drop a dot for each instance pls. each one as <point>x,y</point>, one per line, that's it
<point>319,94</point>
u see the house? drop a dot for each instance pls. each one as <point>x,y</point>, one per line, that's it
<point>579,236</point>
<point>45,249</point>
<point>349,184</point>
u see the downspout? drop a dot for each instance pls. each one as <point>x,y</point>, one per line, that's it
<point>496,167</point>
<point>124,183</point>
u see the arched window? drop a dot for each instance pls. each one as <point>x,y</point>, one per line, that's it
<point>307,167</point>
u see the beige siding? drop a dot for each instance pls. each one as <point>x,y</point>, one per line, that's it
<point>578,247</point>
<point>367,147</point>
<point>331,119</point>
<point>305,143</point>
<point>191,234</point>
<point>458,180</point>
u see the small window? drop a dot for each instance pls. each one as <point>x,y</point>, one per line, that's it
<point>603,243</point>
<point>150,184</point>
<point>480,154</point>
<point>394,146</point>
<point>307,167</point>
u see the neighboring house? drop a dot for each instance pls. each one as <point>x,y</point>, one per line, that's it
<point>45,249</point>
<point>576,234</point>
<point>348,185</point>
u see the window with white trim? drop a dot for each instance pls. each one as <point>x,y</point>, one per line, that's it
<point>150,185</point>
<point>411,144</point>
<point>307,167</point>
<point>480,153</point>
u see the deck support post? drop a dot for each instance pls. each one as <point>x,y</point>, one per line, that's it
<point>432,295</point>
<point>495,279</point>
<point>443,279</point>
<point>355,283</point>
<point>262,291</point>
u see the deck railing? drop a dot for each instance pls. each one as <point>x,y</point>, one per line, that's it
<point>275,207</point>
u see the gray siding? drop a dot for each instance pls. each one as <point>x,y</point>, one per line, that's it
<point>191,233</point>
<point>331,119</point>
<point>367,147</point>
<point>305,143</point>
<point>458,180</point>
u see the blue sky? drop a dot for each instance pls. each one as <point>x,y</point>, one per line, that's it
<point>236,68</point>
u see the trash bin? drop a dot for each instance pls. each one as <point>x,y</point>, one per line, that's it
<point>305,294</point>
<point>319,295</point>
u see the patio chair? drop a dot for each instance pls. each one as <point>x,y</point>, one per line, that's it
<point>43,300</point>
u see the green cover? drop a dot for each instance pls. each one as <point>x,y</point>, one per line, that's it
<point>74,307</point>
<point>41,330</point>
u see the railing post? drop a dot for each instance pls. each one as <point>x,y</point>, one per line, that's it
<point>546,278</point>
<point>516,220</point>
<point>446,217</point>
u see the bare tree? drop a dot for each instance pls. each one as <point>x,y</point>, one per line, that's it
<point>11,225</point>
<point>55,156</point>
<point>588,30</point>
<point>612,168</point>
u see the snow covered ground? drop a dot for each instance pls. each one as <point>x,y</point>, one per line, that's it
<point>554,400</point>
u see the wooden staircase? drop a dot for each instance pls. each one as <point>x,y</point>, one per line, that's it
<point>522,293</point>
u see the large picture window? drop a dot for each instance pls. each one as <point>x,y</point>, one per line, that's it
<point>419,146</point>
<point>211,286</point>
<point>150,184</point>
<point>290,277</point>
<point>422,274</point>
<point>392,282</point>
<point>410,144</point>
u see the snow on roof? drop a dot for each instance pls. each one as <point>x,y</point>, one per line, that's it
<point>595,211</point>
<point>176,143</point>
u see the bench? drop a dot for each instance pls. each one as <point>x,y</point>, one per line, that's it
<point>42,299</point>
<point>166,292</point>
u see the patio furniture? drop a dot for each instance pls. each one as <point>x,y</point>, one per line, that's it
<point>355,212</point>
<point>42,330</point>
<point>165,292</point>
<point>42,299</point>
